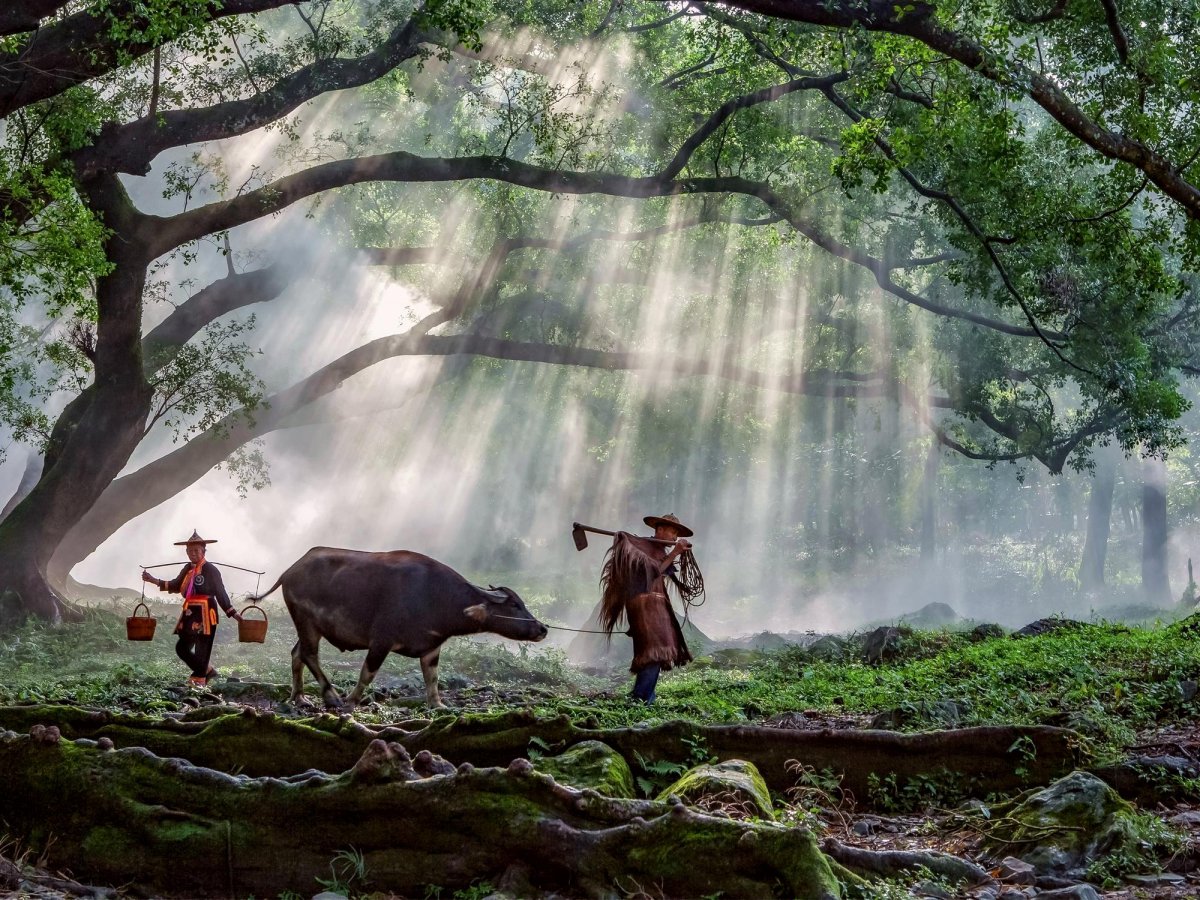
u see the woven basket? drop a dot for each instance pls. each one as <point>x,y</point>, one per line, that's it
<point>252,631</point>
<point>140,628</point>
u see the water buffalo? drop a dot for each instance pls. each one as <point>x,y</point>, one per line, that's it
<point>398,602</point>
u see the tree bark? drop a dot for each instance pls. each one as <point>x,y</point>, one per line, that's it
<point>96,434</point>
<point>33,471</point>
<point>1099,521</point>
<point>970,761</point>
<point>174,829</point>
<point>1156,587</point>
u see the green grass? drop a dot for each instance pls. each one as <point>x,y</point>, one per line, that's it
<point>1106,680</point>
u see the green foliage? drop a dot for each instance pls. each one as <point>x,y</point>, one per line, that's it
<point>659,774</point>
<point>348,873</point>
<point>1152,840</point>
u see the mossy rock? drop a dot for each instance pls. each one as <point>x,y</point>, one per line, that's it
<point>1062,828</point>
<point>734,782</point>
<point>829,649</point>
<point>591,764</point>
<point>927,713</point>
<point>932,615</point>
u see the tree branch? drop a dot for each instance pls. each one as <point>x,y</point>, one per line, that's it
<point>920,23</point>
<point>217,299</point>
<point>1054,12</point>
<point>1047,337</point>
<point>25,15</point>
<point>79,47</point>
<point>1120,39</point>
<point>729,107</point>
<point>163,234</point>
<point>132,147</point>
<point>158,481</point>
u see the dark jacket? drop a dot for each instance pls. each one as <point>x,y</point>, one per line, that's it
<point>208,583</point>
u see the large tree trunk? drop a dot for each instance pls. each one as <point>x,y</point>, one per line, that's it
<point>97,432</point>
<point>1099,521</point>
<point>33,471</point>
<point>1156,587</point>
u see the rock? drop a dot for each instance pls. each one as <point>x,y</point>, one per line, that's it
<point>1016,871</point>
<point>1189,819</point>
<point>941,713</point>
<point>1149,779</point>
<point>724,786</point>
<point>828,649</point>
<point>10,875</point>
<point>1062,828</point>
<point>591,764</point>
<point>1188,690</point>
<point>932,615</point>
<point>882,645</point>
<point>1046,626</point>
<point>985,632</point>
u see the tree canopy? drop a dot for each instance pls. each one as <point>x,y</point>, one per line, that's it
<point>984,214</point>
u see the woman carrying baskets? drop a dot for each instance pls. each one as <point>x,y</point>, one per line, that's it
<point>202,589</point>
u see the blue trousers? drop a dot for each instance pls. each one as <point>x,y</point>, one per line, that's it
<point>645,683</point>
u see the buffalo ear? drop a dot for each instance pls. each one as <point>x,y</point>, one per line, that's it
<point>477,613</point>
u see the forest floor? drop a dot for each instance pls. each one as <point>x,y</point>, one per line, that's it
<point>1128,691</point>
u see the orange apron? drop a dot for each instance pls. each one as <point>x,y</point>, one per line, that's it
<point>199,614</point>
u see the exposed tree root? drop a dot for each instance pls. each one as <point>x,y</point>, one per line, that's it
<point>964,762</point>
<point>888,863</point>
<point>182,830</point>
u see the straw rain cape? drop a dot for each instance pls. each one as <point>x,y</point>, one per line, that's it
<point>631,568</point>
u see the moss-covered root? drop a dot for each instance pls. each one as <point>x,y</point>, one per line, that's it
<point>979,760</point>
<point>173,829</point>
<point>239,740</point>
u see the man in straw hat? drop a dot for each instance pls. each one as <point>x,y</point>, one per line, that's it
<point>634,581</point>
<point>202,589</point>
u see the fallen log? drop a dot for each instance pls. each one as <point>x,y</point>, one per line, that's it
<point>960,763</point>
<point>179,830</point>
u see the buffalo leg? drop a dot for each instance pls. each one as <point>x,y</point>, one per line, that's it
<point>306,650</point>
<point>429,668</point>
<point>297,673</point>
<point>375,658</point>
